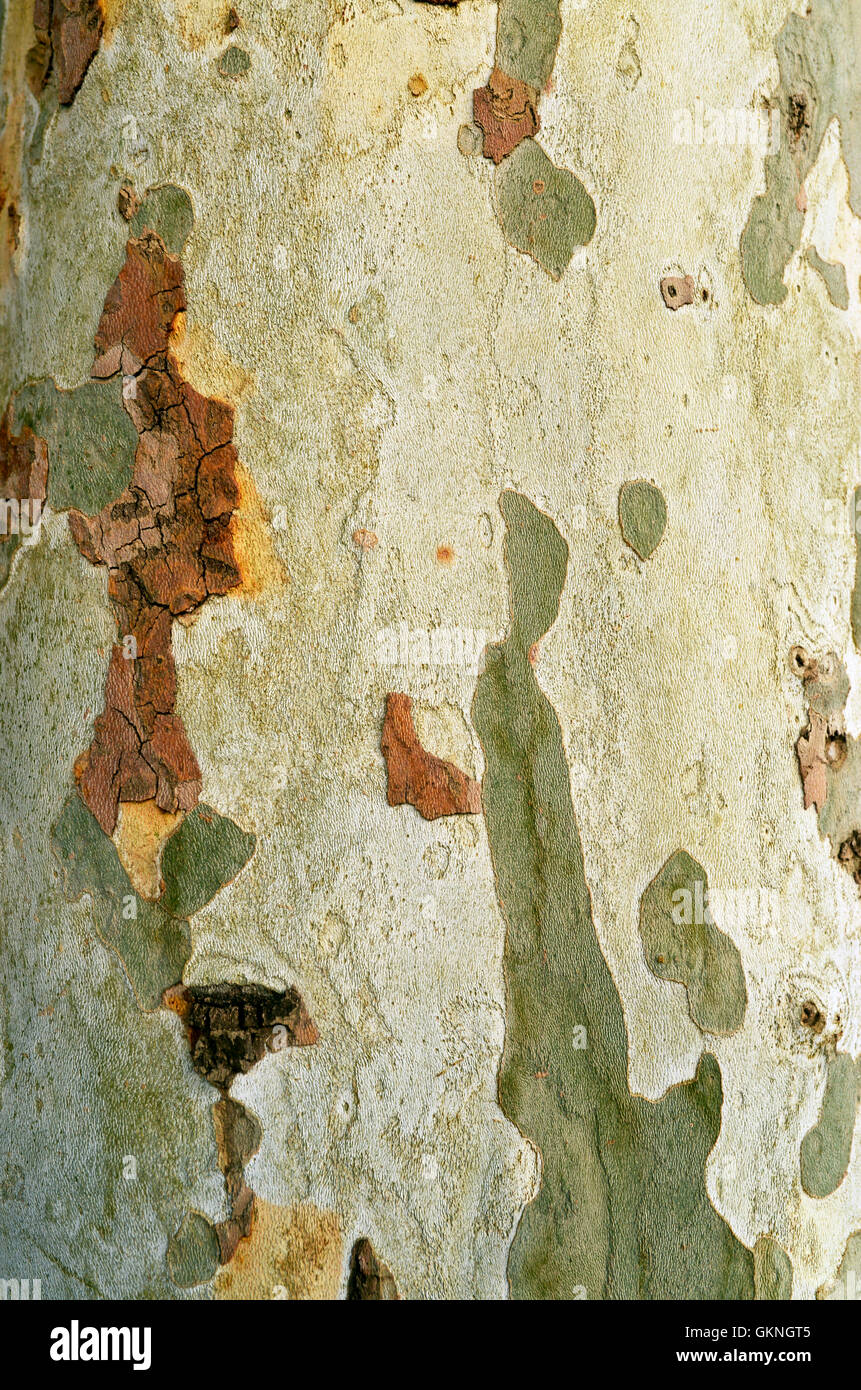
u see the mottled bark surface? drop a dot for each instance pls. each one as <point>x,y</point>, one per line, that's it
<point>430,650</point>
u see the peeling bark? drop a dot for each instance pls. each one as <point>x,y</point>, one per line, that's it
<point>167,541</point>
<point>68,34</point>
<point>418,778</point>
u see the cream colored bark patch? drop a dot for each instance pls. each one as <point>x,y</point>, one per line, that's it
<point>140,834</point>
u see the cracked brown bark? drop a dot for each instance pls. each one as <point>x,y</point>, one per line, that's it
<point>167,541</point>
<point>67,38</point>
<point>230,1028</point>
<point>430,784</point>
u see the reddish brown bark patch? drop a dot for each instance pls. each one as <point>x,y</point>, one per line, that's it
<point>811,750</point>
<point>76,31</point>
<point>417,778</point>
<point>38,63</point>
<point>68,34</point>
<point>822,745</point>
<point>507,112</point>
<point>677,290</point>
<point>140,308</point>
<point>23,462</point>
<point>237,1139</point>
<point>369,1277</point>
<point>167,541</point>
<point>128,200</point>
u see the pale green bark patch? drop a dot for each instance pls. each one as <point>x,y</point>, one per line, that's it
<point>834,275</point>
<point>772,1270</point>
<point>152,944</point>
<point>623,1210</point>
<point>234,62</point>
<point>166,209</point>
<point>192,1251</point>
<point>527,36</point>
<point>91,441</point>
<point>203,854</point>
<point>826,1149</point>
<point>642,516</point>
<point>682,943</point>
<point>816,56</point>
<point>544,211</point>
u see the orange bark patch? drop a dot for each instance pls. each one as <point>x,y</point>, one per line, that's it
<point>418,778</point>
<point>255,554</point>
<point>141,832</point>
<point>291,1253</point>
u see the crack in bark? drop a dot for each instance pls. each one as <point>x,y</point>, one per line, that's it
<point>167,540</point>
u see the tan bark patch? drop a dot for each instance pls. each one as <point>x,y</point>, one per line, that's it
<point>142,829</point>
<point>292,1252</point>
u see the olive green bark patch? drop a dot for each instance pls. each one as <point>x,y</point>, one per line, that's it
<point>772,1270</point>
<point>234,61</point>
<point>847,1283</point>
<point>623,1210</point>
<point>152,945</point>
<point>834,275</point>
<point>681,943</point>
<point>192,1251</point>
<point>543,211</point>
<point>527,36</point>
<point>772,235</point>
<point>642,516</point>
<point>816,58</point>
<point>826,1149</point>
<point>91,441</point>
<point>205,852</point>
<point>7,554</point>
<point>166,209</point>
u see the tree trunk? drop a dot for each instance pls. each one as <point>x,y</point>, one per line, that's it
<point>429,660</point>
